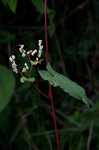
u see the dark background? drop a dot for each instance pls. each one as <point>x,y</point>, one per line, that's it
<point>73,34</point>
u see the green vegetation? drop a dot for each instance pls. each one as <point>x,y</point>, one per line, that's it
<point>26,120</point>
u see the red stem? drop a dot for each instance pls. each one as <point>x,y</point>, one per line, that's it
<point>54,117</point>
<point>50,89</point>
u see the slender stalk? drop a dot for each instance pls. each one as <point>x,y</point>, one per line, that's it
<point>50,88</point>
<point>90,136</point>
<point>46,33</point>
<point>40,92</point>
<point>54,117</point>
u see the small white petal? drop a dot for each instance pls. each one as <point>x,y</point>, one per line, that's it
<point>20,50</point>
<point>41,47</point>
<point>30,51</point>
<point>37,59</point>
<point>13,56</point>
<point>26,66</point>
<point>14,65</point>
<point>40,42</point>
<point>10,58</point>
<point>23,54</point>
<point>15,70</point>
<point>34,52</point>
<point>39,53</point>
<point>21,46</point>
<point>24,69</point>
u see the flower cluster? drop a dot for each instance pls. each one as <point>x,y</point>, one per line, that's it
<point>29,54</point>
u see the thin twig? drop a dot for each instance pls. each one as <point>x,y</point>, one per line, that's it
<point>79,7</point>
<point>39,91</point>
<point>90,135</point>
<point>54,117</point>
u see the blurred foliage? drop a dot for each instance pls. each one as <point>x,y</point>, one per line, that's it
<point>11,4</point>
<point>39,5</point>
<point>26,120</point>
<point>6,86</point>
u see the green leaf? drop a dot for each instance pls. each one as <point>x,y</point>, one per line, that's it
<point>48,76</point>
<point>4,2</point>
<point>12,4</point>
<point>7,83</point>
<point>25,79</point>
<point>67,85</point>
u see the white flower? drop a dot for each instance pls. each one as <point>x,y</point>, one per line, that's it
<point>15,70</point>
<point>29,52</point>
<point>37,59</point>
<point>40,48</point>
<point>39,53</point>
<point>39,42</point>
<point>14,67</point>
<point>34,52</point>
<point>23,54</point>
<point>26,66</point>
<point>24,69</point>
<point>13,64</point>
<point>21,48</point>
<point>12,58</point>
